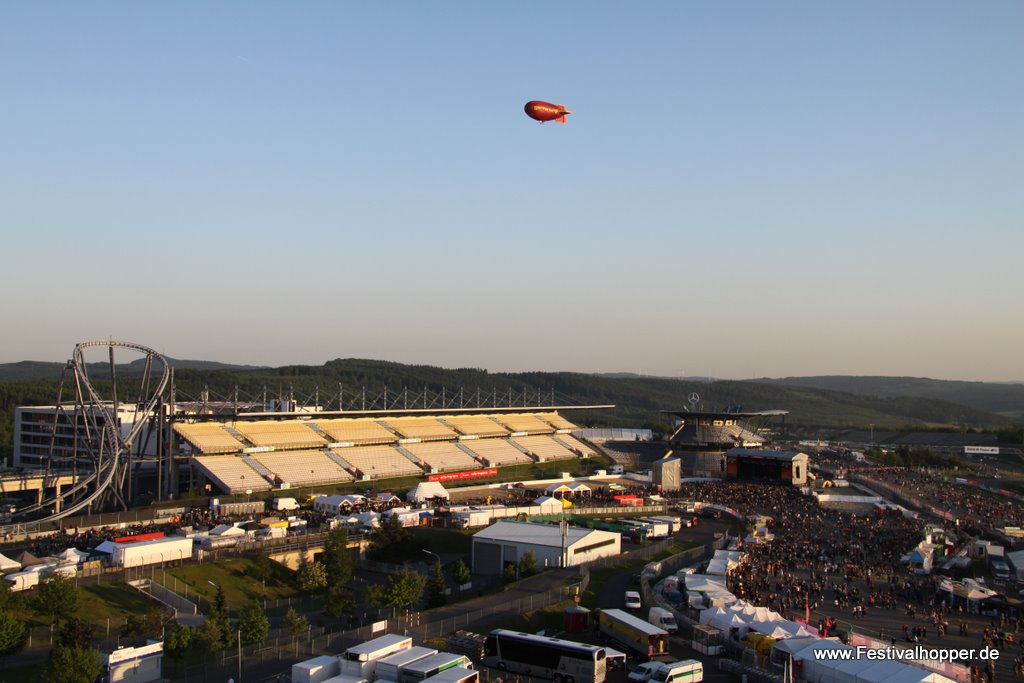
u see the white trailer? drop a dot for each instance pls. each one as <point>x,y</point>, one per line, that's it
<point>315,670</point>
<point>361,660</point>
<point>390,668</point>
<point>155,551</point>
<point>431,666</point>
<point>457,674</point>
<point>473,518</point>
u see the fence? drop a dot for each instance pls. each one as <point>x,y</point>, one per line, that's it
<point>167,597</point>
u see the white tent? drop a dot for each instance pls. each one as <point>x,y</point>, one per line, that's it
<point>784,649</point>
<point>846,672</point>
<point>816,667</point>
<point>227,530</point>
<point>882,670</point>
<point>707,615</point>
<point>558,488</point>
<point>548,504</point>
<point>425,491</point>
<point>728,622</point>
<point>106,547</point>
<point>8,565</point>
<point>73,555</point>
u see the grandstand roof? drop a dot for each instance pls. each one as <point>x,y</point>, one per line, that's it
<point>419,411</point>
<point>720,415</point>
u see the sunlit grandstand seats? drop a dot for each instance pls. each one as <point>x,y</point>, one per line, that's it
<point>557,421</point>
<point>208,437</point>
<point>575,444</point>
<point>480,425</point>
<point>442,456</point>
<point>426,428</point>
<point>497,452</point>
<point>301,468</point>
<point>280,434</point>
<point>544,447</point>
<point>358,431</point>
<point>531,424</point>
<point>378,462</point>
<point>231,473</point>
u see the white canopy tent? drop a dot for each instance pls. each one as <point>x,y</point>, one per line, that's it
<point>426,491</point>
<point>8,565</point>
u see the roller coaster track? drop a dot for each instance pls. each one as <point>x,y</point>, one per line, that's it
<point>108,451</point>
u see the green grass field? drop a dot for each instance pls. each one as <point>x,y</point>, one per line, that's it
<point>240,578</point>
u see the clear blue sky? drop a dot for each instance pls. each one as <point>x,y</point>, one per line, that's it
<point>744,188</point>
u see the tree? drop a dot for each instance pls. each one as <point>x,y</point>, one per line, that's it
<point>528,564</point>
<point>392,542</point>
<point>211,635</point>
<point>401,590</point>
<point>336,558</point>
<point>75,633</point>
<point>13,634</point>
<point>436,587</point>
<point>177,641</point>
<point>294,623</point>
<point>72,665</point>
<point>156,622</point>
<point>253,623</point>
<point>510,572</point>
<point>339,600</point>
<point>461,573</point>
<point>312,575</point>
<point>56,596</point>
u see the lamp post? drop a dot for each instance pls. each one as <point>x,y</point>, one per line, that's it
<point>436,556</point>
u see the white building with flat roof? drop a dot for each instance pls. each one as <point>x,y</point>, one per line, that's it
<point>551,544</point>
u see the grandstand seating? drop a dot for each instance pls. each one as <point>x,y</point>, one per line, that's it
<point>497,452</point>
<point>544,447</point>
<point>302,468</point>
<point>529,423</point>
<point>361,431</point>
<point>572,443</point>
<point>231,473</point>
<point>425,428</point>
<point>280,434</point>
<point>557,421</point>
<point>479,425</point>
<point>442,456</point>
<point>208,437</point>
<point>378,462</point>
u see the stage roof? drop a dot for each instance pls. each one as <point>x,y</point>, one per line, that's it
<point>723,415</point>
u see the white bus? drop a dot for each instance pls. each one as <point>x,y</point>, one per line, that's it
<point>563,661</point>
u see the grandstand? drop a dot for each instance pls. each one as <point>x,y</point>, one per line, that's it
<point>358,431</point>
<point>525,423</point>
<point>254,454</point>
<point>575,445</point>
<point>286,434</point>
<point>378,462</point>
<point>442,456</point>
<point>231,474</point>
<point>207,437</point>
<point>544,448</point>
<point>475,425</point>
<point>423,428</point>
<point>558,422</point>
<point>303,468</point>
<point>497,452</point>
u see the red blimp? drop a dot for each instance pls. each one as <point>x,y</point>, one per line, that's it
<point>545,111</point>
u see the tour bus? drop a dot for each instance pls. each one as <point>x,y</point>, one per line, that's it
<point>563,661</point>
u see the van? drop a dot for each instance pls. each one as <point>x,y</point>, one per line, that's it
<point>614,660</point>
<point>616,469</point>
<point>686,671</point>
<point>643,672</point>
<point>284,504</point>
<point>662,618</point>
<point>632,600</point>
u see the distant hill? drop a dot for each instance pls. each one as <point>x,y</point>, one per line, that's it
<point>43,370</point>
<point>1006,399</point>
